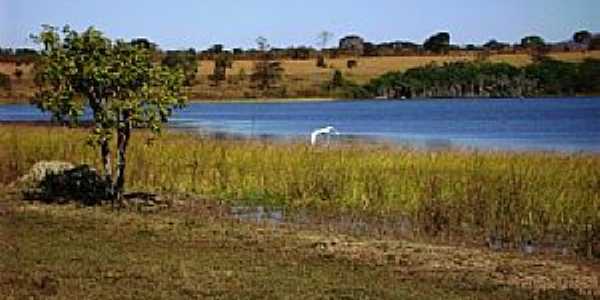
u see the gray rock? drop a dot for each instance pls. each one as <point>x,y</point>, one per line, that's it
<point>41,170</point>
<point>58,182</point>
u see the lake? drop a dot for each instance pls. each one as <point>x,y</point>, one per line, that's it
<point>560,124</point>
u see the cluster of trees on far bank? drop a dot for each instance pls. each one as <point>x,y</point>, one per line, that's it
<point>544,77</point>
<point>354,45</point>
<point>439,43</point>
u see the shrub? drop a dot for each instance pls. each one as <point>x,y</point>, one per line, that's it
<point>5,82</point>
<point>83,184</point>
<point>321,62</point>
<point>352,63</point>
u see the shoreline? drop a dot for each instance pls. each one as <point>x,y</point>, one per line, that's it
<point>266,100</point>
<point>366,142</point>
<point>49,124</point>
<point>329,99</point>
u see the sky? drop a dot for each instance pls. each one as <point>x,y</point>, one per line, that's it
<point>179,24</point>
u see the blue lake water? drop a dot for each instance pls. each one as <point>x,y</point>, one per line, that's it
<point>567,124</point>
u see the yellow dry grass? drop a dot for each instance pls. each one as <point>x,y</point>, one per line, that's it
<point>10,68</point>
<point>302,78</point>
<point>375,66</point>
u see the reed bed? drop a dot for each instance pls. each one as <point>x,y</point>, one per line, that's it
<point>509,197</point>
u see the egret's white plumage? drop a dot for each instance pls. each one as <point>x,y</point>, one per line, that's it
<point>329,130</point>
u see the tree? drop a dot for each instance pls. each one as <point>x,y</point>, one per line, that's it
<point>536,46</point>
<point>532,42</point>
<point>242,75</point>
<point>351,63</point>
<point>263,44</point>
<point>495,45</point>
<point>215,49</point>
<point>267,71</point>
<point>338,86</point>
<point>338,79</point>
<point>238,51</point>
<point>589,76</point>
<point>185,60</point>
<point>323,38</point>
<point>554,77</point>
<point>5,81</point>
<point>119,82</point>
<point>321,63</point>
<point>582,37</point>
<point>18,73</point>
<point>438,43</point>
<point>144,43</point>
<point>223,62</point>
<point>595,43</point>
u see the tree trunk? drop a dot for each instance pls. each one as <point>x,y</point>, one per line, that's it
<point>96,105</point>
<point>105,154</point>
<point>124,132</point>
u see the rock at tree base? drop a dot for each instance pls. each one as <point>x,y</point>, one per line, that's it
<point>41,169</point>
<point>62,182</point>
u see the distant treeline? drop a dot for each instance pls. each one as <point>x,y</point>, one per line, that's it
<point>544,77</point>
<point>353,45</point>
<point>19,56</point>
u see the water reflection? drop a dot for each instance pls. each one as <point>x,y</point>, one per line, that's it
<point>258,214</point>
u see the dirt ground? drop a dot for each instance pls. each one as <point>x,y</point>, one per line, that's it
<point>193,248</point>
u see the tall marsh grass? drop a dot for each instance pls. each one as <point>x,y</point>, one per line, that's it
<point>510,196</point>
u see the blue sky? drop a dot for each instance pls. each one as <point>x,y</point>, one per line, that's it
<point>179,24</point>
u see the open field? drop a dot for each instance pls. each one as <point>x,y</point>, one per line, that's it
<point>195,250</point>
<point>369,67</point>
<point>302,78</point>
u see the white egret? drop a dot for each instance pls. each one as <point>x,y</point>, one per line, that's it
<point>328,131</point>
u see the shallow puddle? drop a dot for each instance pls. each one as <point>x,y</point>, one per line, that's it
<point>258,214</point>
<point>400,226</point>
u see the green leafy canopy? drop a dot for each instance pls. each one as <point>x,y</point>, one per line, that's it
<point>117,80</point>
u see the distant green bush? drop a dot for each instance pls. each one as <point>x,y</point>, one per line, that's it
<point>588,76</point>
<point>339,86</point>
